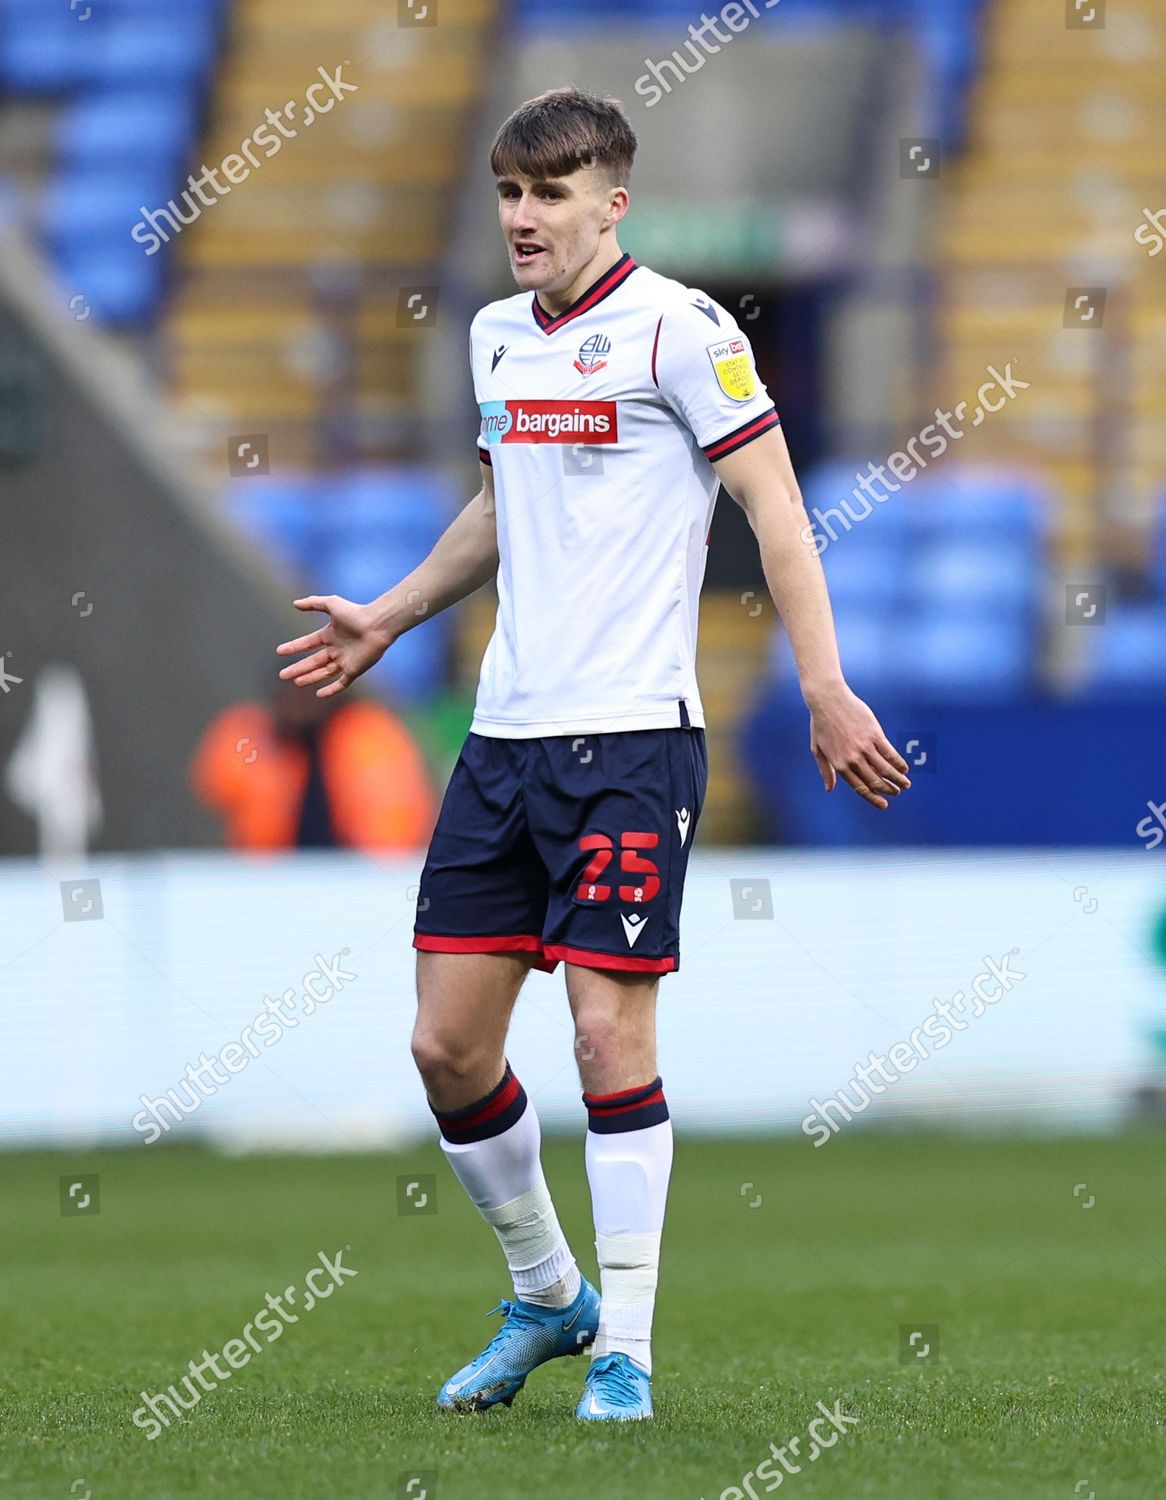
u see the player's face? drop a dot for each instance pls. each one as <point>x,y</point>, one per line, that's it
<point>552,226</point>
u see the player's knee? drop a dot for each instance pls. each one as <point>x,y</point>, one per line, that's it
<point>442,1059</point>
<point>599,1038</point>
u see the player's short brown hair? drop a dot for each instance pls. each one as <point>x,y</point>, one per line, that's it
<point>561,131</point>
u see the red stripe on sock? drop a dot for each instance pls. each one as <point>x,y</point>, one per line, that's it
<point>622,1109</point>
<point>619,1093</point>
<point>502,1101</point>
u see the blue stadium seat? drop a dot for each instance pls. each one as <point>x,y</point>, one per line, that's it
<point>962,574</point>
<point>938,590</point>
<point>408,508</point>
<point>209,12</point>
<point>153,129</point>
<point>45,51</point>
<point>864,568</point>
<point>282,515</point>
<point>1126,654</point>
<point>869,643</point>
<point>21,12</point>
<point>415,665</point>
<point>136,51</point>
<point>837,513</point>
<point>966,500</point>
<point>974,657</point>
<point>357,568</point>
<point>119,285</point>
<point>51,46</point>
<point>357,534</point>
<point>135,72</point>
<point>99,210</point>
<point>83,208</point>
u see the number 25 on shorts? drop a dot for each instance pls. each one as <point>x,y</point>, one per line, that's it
<point>630,863</point>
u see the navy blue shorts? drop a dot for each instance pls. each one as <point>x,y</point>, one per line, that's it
<point>569,847</point>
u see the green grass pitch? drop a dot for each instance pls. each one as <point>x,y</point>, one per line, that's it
<point>787,1275</point>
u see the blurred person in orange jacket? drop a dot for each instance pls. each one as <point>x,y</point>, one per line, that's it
<point>308,773</point>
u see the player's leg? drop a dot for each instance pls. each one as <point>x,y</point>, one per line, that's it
<point>613,816</point>
<point>464,1004</point>
<point>481,907</point>
<point>629,1160</point>
<point>489,1129</point>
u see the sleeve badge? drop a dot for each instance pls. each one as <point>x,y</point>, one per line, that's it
<point>733,368</point>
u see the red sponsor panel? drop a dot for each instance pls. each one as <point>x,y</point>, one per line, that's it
<point>588,422</point>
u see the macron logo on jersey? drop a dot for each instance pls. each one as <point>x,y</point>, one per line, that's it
<point>550,422</point>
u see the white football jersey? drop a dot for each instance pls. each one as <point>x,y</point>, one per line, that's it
<point>600,426</point>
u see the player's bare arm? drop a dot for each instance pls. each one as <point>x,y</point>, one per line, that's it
<point>356,636</point>
<point>845,737</point>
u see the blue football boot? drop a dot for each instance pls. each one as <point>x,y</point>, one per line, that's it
<point>616,1390</point>
<point>529,1337</point>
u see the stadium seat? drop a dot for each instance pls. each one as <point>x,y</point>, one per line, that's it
<point>837,513</point>
<point>135,51</point>
<point>1127,653</point>
<point>972,657</point>
<point>967,500</point>
<point>46,52</point>
<point>49,49</point>
<point>356,534</point>
<point>281,515</point>
<point>868,643</point>
<point>133,81</point>
<point>119,285</point>
<point>206,11</point>
<point>405,507</point>
<point>937,591</point>
<point>153,129</point>
<point>97,211</point>
<point>415,667</point>
<point>965,573</point>
<point>865,568</point>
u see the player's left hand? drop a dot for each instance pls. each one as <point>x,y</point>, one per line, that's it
<point>848,741</point>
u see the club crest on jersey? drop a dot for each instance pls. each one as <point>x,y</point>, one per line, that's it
<point>734,369</point>
<point>591,354</point>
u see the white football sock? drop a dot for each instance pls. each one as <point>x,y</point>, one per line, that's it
<point>628,1171</point>
<point>504,1178</point>
<point>540,1260</point>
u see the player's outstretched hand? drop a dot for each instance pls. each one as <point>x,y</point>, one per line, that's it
<point>848,741</point>
<point>341,650</point>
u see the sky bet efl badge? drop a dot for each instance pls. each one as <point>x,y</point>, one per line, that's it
<point>591,354</point>
<point>734,369</point>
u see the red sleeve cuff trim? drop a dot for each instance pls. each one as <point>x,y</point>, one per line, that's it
<point>742,435</point>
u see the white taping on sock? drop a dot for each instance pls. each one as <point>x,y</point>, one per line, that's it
<point>536,1251</point>
<point>628,1272</point>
